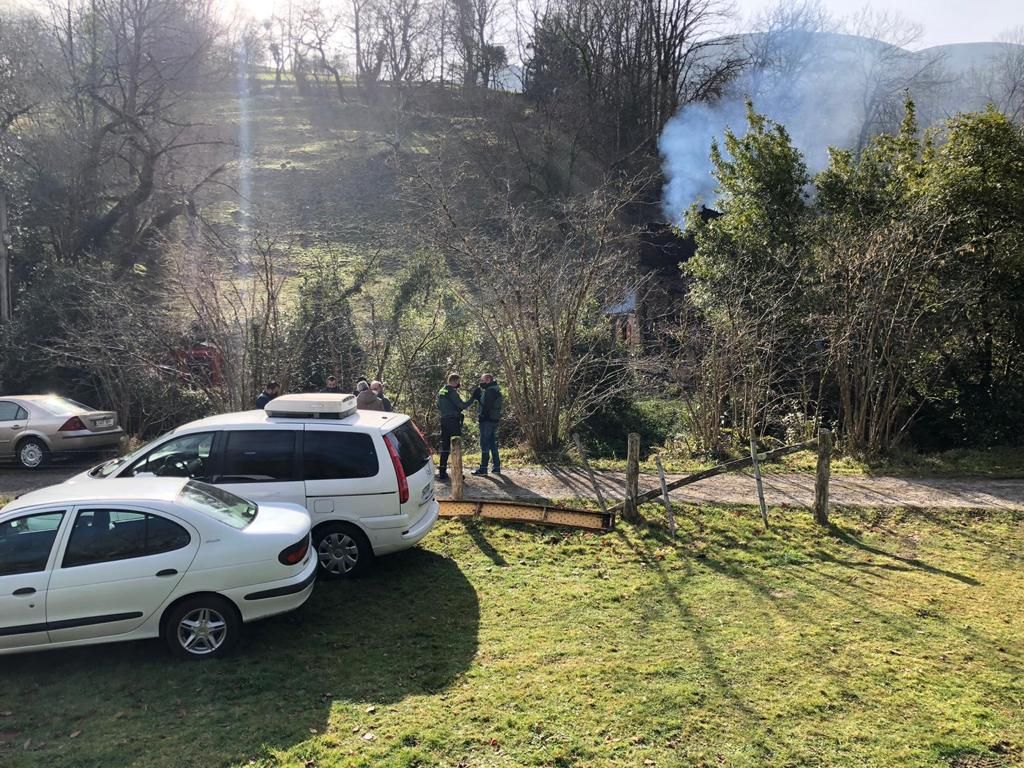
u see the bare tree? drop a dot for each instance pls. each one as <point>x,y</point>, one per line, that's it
<point>370,48</point>
<point>408,30</point>
<point>113,152</point>
<point>474,24</point>
<point>887,306</point>
<point>630,64</point>
<point>785,45</point>
<point>318,31</point>
<point>24,64</point>
<point>1006,82</point>
<point>887,70</point>
<point>539,281</point>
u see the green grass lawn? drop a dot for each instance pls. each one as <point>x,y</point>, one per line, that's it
<point>893,639</point>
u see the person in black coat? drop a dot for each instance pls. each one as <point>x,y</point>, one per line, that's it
<point>491,400</point>
<point>332,387</point>
<point>272,390</point>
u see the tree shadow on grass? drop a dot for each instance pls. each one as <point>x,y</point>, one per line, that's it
<point>479,538</point>
<point>697,628</point>
<point>848,538</point>
<point>408,628</point>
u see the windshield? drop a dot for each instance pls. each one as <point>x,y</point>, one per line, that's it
<point>107,468</point>
<point>61,406</point>
<point>218,504</point>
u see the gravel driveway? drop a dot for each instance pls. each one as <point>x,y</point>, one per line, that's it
<point>789,489</point>
<point>796,490</point>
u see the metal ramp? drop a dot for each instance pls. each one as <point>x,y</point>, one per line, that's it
<point>523,512</point>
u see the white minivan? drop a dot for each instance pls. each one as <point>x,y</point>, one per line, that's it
<point>366,477</point>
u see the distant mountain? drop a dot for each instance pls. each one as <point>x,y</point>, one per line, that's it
<point>962,58</point>
<point>830,91</point>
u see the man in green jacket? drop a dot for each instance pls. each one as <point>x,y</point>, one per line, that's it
<point>451,407</point>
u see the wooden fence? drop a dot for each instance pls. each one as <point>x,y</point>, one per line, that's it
<point>823,444</point>
<point>634,498</point>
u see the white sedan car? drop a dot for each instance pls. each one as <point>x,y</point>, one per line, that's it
<point>147,557</point>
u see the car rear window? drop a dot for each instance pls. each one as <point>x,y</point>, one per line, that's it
<point>61,406</point>
<point>412,449</point>
<point>218,504</point>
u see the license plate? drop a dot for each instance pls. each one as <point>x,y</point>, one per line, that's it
<point>104,423</point>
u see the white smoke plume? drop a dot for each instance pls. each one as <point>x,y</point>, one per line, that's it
<point>827,89</point>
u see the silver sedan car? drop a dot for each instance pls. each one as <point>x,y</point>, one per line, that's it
<point>34,427</point>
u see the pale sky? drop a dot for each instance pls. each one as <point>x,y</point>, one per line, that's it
<point>944,21</point>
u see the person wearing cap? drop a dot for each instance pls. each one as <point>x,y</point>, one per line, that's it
<point>332,388</point>
<point>378,390</point>
<point>450,406</point>
<point>490,398</point>
<point>366,400</point>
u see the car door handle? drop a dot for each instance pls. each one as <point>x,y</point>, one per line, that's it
<point>25,591</point>
<point>167,572</point>
<point>15,426</point>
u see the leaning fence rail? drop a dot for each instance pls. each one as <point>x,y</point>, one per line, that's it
<point>823,444</point>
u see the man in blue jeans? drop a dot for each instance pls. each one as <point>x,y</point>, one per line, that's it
<point>489,396</point>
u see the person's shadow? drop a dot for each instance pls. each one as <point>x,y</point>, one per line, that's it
<point>408,627</point>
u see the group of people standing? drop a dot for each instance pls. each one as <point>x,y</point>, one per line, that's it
<point>369,394</point>
<point>450,404</point>
<point>487,395</point>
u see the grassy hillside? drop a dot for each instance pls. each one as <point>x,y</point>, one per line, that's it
<point>343,176</point>
<point>891,639</point>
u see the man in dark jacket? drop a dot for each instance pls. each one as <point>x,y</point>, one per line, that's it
<point>272,390</point>
<point>332,387</point>
<point>451,406</point>
<point>491,400</point>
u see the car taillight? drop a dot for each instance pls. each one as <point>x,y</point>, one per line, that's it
<point>423,438</point>
<point>294,554</point>
<point>403,481</point>
<point>73,425</point>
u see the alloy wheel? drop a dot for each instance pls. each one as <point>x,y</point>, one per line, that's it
<point>202,631</point>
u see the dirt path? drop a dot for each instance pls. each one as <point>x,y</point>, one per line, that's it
<point>734,488</point>
<point>738,488</point>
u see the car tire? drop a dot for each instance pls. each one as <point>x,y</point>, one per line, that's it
<point>32,453</point>
<point>202,627</point>
<point>342,550</point>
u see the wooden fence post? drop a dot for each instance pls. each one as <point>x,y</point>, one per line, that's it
<point>757,479</point>
<point>729,466</point>
<point>455,459</point>
<point>668,501</point>
<point>822,478</point>
<point>632,476</point>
